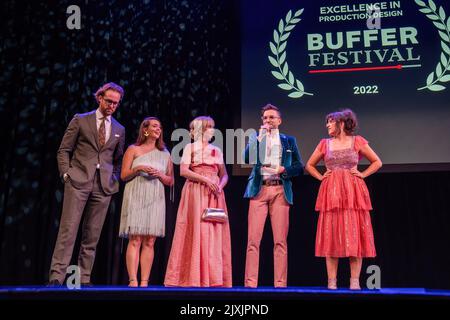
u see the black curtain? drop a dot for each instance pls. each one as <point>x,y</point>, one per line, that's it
<point>176,60</point>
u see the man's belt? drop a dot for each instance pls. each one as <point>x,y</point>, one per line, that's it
<point>271,182</point>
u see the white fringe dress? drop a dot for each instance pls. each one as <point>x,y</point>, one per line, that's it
<point>143,205</point>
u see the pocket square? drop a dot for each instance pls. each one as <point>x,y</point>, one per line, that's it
<point>288,150</point>
<point>117,135</point>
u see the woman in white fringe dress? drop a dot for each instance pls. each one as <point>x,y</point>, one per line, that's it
<point>147,168</point>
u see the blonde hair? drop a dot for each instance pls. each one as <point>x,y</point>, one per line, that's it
<point>198,126</point>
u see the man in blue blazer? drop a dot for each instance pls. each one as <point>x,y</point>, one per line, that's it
<point>276,160</point>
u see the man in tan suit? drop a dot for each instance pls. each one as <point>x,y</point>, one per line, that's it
<point>89,160</point>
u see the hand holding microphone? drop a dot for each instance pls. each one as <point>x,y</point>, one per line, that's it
<point>263,131</point>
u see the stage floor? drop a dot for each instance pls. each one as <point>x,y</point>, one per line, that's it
<point>236,293</point>
<point>265,303</point>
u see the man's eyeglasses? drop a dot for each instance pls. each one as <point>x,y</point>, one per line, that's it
<point>269,117</point>
<point>110,102</point>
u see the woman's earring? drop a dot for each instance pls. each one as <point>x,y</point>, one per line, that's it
<point>146,133</point>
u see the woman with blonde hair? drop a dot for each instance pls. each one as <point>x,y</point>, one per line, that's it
<point>344,228</point>
<point>201,248</point>
<point>146,168</point>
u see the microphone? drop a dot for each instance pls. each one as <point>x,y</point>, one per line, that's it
<point>264,131</point>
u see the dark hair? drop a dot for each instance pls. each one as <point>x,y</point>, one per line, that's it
<point>270,107</point>
<point>348,117</point>
<point>141,137</point>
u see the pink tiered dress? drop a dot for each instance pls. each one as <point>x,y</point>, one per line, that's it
<point>344,228</point>
<point>201,251</point>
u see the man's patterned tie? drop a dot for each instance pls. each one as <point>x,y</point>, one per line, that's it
<point>102,133</point>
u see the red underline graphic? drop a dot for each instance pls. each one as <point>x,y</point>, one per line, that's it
<point>398,67</point>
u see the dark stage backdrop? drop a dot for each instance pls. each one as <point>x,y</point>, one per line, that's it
<point>176,60</point>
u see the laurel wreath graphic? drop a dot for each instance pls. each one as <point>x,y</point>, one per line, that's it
<point>443,66</point>
<point>278,60</point>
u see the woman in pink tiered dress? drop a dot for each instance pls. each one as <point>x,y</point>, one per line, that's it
<point>201,251</point>
<point>344,227</point>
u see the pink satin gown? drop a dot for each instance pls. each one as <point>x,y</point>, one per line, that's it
<point>201,251</point>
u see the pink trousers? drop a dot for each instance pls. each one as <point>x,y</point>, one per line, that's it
<point>269,200</point>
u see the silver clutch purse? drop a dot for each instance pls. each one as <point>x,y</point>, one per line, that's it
<point>214,215</point>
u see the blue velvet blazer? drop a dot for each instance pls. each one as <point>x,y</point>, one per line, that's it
<point>290,160</point>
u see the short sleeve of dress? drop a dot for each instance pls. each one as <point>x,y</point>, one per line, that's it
<point>187,155</point>
<point>322,146</point>
<point>360,142</point>
<point>218,155</point>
